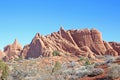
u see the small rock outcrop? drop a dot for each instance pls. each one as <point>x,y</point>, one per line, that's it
<point>74,42</point>
<point>13,50</point>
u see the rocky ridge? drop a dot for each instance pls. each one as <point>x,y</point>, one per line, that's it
<point>74,42</point>
<point>84,42</point>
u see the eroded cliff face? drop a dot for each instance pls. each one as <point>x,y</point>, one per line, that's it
<point>74,42</point>
<point>84,42</point>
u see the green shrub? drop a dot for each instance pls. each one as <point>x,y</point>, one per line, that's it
<point>18,59</point>
<point>87,62</point>
<point>5,70</point>
<point>56,53</point>
<point>2,64</point>
<point>81,58</point>
<point>56,67</point>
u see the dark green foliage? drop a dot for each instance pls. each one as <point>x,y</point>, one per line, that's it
<point>87,62</point>
<point>5,70</point>
<point>2,64</point>
<point>18,59</point>
<point>81,58</point>
<point>56,53</point>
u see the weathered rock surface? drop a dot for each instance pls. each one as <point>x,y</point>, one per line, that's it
<point>110,50</point>
<point>74,42</point>
<point>13,50</point>
<point>115,46</point>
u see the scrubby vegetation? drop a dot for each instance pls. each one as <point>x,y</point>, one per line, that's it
<point>35,69</point>
<point>59,68</point>
<point>114,72</point>
<point>4,69</point>
<point>18,59</point>
<point>85,61</point>
<point>56,67</point>
<point>56,53</point>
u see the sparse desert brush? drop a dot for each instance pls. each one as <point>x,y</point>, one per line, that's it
<point>82,71</point>
<point>85,61</point>
<point>18,59</point>
<point>109,59</point>
<point>114,72</point>
<point>99,63</point>
<point>118,58</point>
<point>4,69</point>
<point>81,58</point>
<point>90,72</point>
<point>36,69</point>
<point>72,63</point>
<point>56,67</point>
<point>95,72</point>
<point>56,53</point>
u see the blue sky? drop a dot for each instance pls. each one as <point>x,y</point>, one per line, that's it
<point>22,19</point>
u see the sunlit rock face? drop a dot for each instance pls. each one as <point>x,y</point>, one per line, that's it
<point>13,50</point>
<point>115,46</point>
<point>74,42</point>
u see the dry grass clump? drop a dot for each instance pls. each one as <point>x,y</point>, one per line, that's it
<point>114,72</point>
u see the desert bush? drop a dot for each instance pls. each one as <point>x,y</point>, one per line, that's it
<point>87,62</point>
<point>5,70</point>
<point>72,63</point>
<point>95,72</point>
<point>81,58</point>
<point>18,59</point>
<point>89,72</point>
<point>99,63</point>
<point>56,67</point>
<point>17,74</point>
<point>114,72</point>
<point>118,58</point>
<point>79,72</point>
<point>69,71</point>
<point>74,78</point>
<point>109,59</point>
<point>64,66</point>
<point>56,53</point>
<point>90,67</point>
<point>82,73</point>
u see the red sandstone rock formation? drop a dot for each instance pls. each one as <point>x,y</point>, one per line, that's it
<point>74,42</point>
<point>110,50</point>
<point>13,50</point>
<point>115,46</point>
<point>91,38</point>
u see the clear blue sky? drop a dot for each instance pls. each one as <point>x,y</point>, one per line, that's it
<point>22,19</point>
